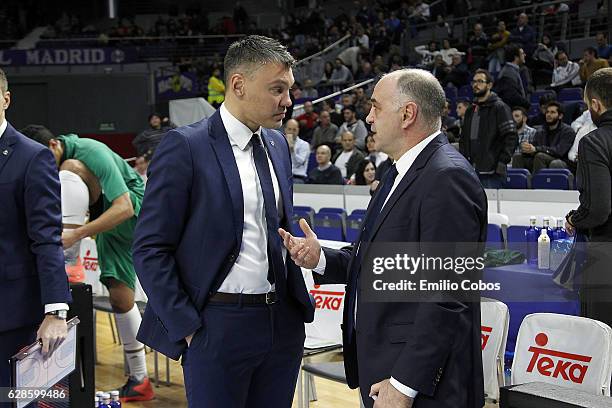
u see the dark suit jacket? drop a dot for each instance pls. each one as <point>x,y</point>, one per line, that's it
<point>32,271</point>
<point>189,231</point>
<point>433,348</point>
<point>352,163</point>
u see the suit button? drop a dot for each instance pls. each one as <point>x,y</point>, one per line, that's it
<point>231,258</point>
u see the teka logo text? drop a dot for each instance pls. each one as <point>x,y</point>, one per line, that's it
<point>557,364</point>
<point>90,263</point>
<point>325,299</point>
<point>485,333</point>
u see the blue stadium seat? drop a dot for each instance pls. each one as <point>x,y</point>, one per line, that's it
<point>516,181</point>
<point>534,110</point>
<point>495,237</point>
<point>301,212</point>
<point>332,210</point>
<point>312,162</point>
<point>329,226</point>
<point>570,94</point>
<point>535,97</point>
<point>550,181</point>
<point>516,237</point>
<point>359,211</point>
<point>353,226</point>
<point>566,172</point>
<point>303,208</point>
<point>465,92</point>
<point>451,92</point>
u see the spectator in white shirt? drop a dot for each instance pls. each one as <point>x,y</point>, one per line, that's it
<point>300,151</point>
<point>355,126</point>
<point>566,72</point>
<point>447,52</point>
<point>348,159</point>
<point>582,126</point>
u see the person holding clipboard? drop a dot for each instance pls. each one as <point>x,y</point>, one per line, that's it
<point>33,281</point>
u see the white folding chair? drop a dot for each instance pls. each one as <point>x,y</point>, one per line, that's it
<point>568,351</point>
<point>495,320</point>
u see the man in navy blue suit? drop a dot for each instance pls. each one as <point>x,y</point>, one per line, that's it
<point>33,281</point>
<point>424,354</point>
<point>222,293</point>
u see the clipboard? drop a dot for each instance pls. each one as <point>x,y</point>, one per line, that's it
<point>30,370</point>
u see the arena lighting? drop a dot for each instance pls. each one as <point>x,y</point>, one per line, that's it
<point>112,9</point>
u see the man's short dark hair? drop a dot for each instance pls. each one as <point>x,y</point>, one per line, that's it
<point>547,97</point>
<point>557,104</point>
<point>463,102</point>
<point>485,73</point>
<point>520,108</point>
<point>153,115</point>
<point>559,53</point>
<point>38,133</point>
<point>512,51</point>
<point>3,81</point>
<point>599,86</point>
<point>349,107</point>
<point>592,51</point>
<point>250,53</point>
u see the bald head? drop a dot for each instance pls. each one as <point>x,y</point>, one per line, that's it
<point>292,127</point>
<point>323,155</point>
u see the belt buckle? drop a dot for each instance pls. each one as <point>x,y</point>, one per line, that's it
<point>270,298</point>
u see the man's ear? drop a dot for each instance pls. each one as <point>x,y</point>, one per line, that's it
<point>237,84</point>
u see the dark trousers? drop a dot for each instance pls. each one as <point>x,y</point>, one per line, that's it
<point>538,162</point>
<point>596,289</point>
<point>494,181</point>
<point>10,343</point>
<point>245,356</point>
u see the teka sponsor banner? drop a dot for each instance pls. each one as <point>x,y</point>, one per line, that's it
<point>68,56</point>
<point>569,351</point>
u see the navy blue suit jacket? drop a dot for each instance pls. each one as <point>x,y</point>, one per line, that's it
<point>433,348</point>
<point>189,231</point>
<point>32,271</point>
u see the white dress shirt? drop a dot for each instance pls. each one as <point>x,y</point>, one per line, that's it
<point>299,157</point>
<point>250,272</point>
<point>50,307</point>
<point>342,160</point>
<point>402,165</point>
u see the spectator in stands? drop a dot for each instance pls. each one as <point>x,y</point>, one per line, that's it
<point>462,107</point>
<point>341,77</point>
<point>308,120</point>
<point>146,142</point>
<point>325,132</point>
<point>365,174</point>
<point>325,172</point>
<point>488,134</point>
<point>590,63</point>
<point>496,47</point>
<point>583,125</point>
<point>364,72</point>
<point>372,153</point>
<point>593,215</point>
<point>509,85</point>
<point>309,91</point>
<point>439,68</point>
<point>448,52</point>
<point>524,35</point>
<point>420,15</point>
<point>299,149</point>
<point>551,144</point>
<point>329,107</point>
<point>346,100</point>
<point>355,126</point>
<point>141,166</point>
<point>543,60</point>
<point>216,88</point>
<point>360,103</point>
<point>478,45</point>
<point>458,73</point>
<point>603,48</point>
<point>526,134</point>
<point>349,157</point>
<point>428,53</point>
<point>540,120</point>
<point>450,125</point>
<point>565,74</point>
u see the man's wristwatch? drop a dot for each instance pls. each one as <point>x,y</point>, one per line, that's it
<point>59,314</point>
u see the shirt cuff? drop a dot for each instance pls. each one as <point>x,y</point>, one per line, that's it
<point>52,307</point>
<point>320,268</point>
<point>407,391</point>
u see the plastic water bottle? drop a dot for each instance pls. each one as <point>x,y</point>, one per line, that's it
<point>106,399</point>
<point>559,232</point>
<point>115,402</point>
<point>543,250</point>
<point>548,229</point>
<point>71,254</point>
<point>531,234</point>
<point>96,402</point>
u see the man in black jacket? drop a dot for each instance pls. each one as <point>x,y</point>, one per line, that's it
<point>509,85</point>
<point>551,144</point>
<point>488,133</point>
<point>593,216</point>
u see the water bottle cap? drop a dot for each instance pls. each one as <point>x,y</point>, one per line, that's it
<point>113,393</point>
<point>99,393</point>
<point>106,395</point>
<point>532,218</point>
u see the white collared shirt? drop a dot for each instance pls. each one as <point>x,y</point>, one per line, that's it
<point>3,127</point>
<point>250,272</point>
<point>402,165</point>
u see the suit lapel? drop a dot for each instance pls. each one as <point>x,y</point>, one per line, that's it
<point>225,156</point>
<point>273,149</point>
<point>407,180</point>
<point>7,141</point>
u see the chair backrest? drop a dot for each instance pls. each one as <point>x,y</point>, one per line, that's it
<point>570,94</point>
<point>495,237</point>
<point>568,351</point>
<point>494,323</point>
<point>517,181</point>
<point>332,210</point>
<point>566,172</point>
<point>353,226</point>
<point>549,181</point>
<point>359,211</point>
<point>329,226</point>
